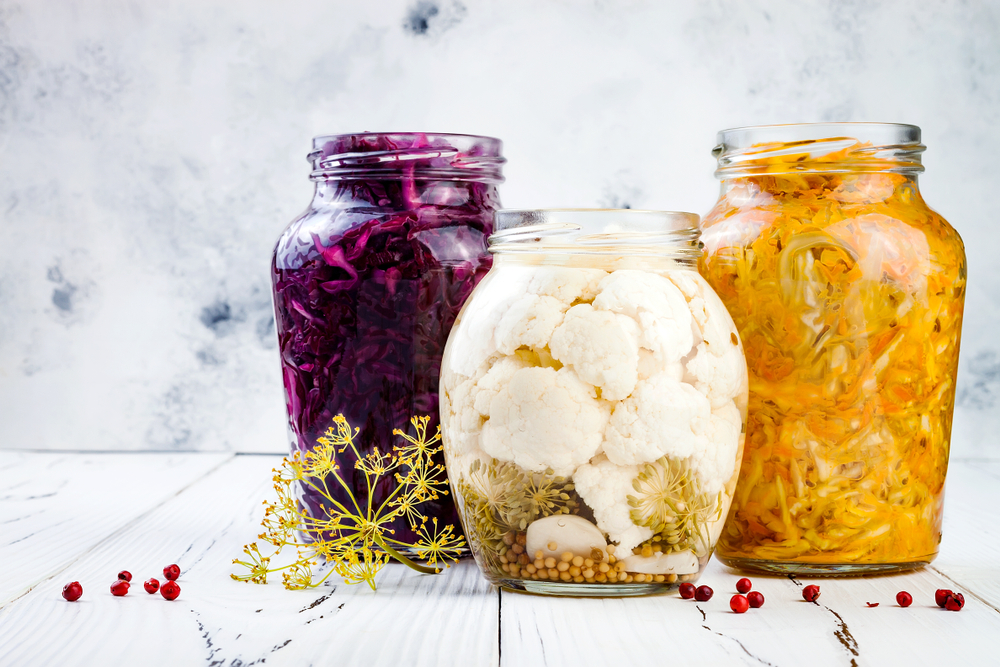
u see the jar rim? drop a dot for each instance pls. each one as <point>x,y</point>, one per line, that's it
<point>597,231</point>
<point>836,147</point>
<point>397,155</point>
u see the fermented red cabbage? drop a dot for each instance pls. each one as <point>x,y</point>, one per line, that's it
<point>368,281</point>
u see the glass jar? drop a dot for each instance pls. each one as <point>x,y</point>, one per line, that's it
<point>593,405</point>
<point>848,291</point>
<point>367,283</point>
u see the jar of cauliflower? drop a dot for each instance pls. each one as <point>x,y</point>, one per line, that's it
<point>593,404</point>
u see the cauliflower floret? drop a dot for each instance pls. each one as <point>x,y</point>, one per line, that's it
<point>605,488</point>
<point>460,421</point>
<point>714,460</point>
<point>493,381</point>
<point>712,321</point>
<point>460,464</point>
<point>690,283</point>
<point>720,377</point>
<point>472,335</point>
<point>529,321</point>
<point>601,347</point>
<point>567,285</point>
<point>459,417</point>
<point>649,366</point>
<point>656,420</point>
<point>656,304</point>
<point>543,418</point>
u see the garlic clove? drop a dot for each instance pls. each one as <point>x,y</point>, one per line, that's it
<point>564,532</point>
<point>683,562</point>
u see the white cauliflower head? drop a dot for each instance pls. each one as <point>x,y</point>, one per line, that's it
<point>460,422</point>
<point>605,488</point>
<point>656,304</point>
<point>529,321</point>
<point>493,381</point>
<point>656,420</point>
<point>543,418</point>
<point>720,377</point>
<point>471,341</point>
<point>567,285</point>
<point>711,318</point>
<point>714,459</point>
<point>601,347</point>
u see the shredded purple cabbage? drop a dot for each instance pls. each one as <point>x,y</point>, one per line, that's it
<point>368,281</point>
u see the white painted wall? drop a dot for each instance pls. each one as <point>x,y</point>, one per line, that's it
<point>150,153</point>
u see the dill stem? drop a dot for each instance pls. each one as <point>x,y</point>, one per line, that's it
<point>403,559</point>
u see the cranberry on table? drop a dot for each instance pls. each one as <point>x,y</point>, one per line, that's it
<point>744,585</point>
<point>703,594</point>
<point>941,596</point>
<point>810,593</point>
<point>125,575</point>
<point>738,603</point>
<point>686,590</point>
<point>171,572</point>
<point>72,591</point>
<point>755,599</point>
<point>119,588</point>
<point>904,599</point>
<point>151,585</point>
<point>170,590</point>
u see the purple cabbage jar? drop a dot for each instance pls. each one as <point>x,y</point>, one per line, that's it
<point>368,281</point>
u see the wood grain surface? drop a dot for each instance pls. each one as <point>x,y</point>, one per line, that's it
<point>143,511</point>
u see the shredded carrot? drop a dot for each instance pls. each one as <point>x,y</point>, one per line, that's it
<point>848,294</point>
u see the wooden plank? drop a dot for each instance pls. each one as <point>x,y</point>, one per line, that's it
<point>56,506</point>
<point>412,619</point>
<point>839,630</point>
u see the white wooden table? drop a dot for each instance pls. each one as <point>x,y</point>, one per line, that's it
<point>84,517</point>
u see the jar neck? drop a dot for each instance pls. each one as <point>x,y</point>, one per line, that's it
<point>609,262</point>
<point>597,238</point>
<point>820,148</point>
<point>380,156</point>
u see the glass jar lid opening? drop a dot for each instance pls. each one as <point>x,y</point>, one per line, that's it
<point>819,147</point>
<point>397,155</point>
<point>620,232</point>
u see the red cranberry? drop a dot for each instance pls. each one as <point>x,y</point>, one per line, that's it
<point>125,575</point>
<point>744,585</point>
<point>72,591</point>
<point>904,599</point>
<point>738,604</point>
<point>170,590</point>
<point>810,593</point>
<point>171,572</point>
<point>686,590</point>
<point>151,585</point>
<point>703,594</point>
<point>941,596</point>
<point>756,599</point>
<point>872,604</point>
<point>119,588</point>
<point>955,602</point>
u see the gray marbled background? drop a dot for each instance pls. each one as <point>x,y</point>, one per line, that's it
<point>151,152</point>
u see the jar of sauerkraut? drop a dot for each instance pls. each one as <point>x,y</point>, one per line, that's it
<point>848,291</point>
<point>593,402</point>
